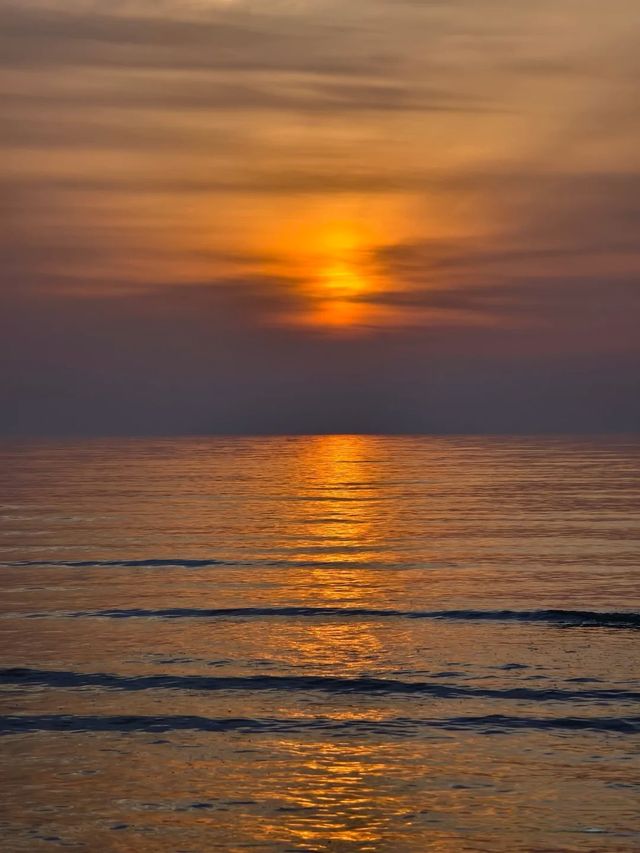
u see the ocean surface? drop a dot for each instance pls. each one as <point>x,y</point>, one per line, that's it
<point>343,643</point>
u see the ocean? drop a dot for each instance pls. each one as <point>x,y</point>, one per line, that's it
<point>344,643</point>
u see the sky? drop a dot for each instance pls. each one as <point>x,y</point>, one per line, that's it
<point>292,216</point>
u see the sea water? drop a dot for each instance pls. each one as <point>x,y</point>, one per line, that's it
<point>346,643</point>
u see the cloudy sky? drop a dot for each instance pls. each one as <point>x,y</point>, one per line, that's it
<point>319,216</point>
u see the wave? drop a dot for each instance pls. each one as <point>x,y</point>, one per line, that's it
<point>401,727</point>
<point>250,562</point>
<point>109,564</point>
<point>303,683</point>
<point>561,618</point>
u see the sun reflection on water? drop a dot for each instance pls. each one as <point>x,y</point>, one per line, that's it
<point>341,489</point>
<point>336,796</point>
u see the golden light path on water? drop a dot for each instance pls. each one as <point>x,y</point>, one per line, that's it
<point>338,791</point>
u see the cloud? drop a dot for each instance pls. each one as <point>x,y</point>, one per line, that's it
<point>565,261</point>
<point>57,36</point>
<point>161,159</point>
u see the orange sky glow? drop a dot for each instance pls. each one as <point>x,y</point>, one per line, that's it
<point>459,175</point>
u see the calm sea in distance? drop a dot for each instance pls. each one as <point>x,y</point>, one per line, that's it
<point>344,643</point>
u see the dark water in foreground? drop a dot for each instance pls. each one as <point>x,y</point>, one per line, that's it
<point>333,643</point>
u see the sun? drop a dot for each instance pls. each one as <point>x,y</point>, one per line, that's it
<point>333,261</point>
<point>325,252</point>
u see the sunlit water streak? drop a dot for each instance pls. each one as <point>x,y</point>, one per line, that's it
<point>322,643</point>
